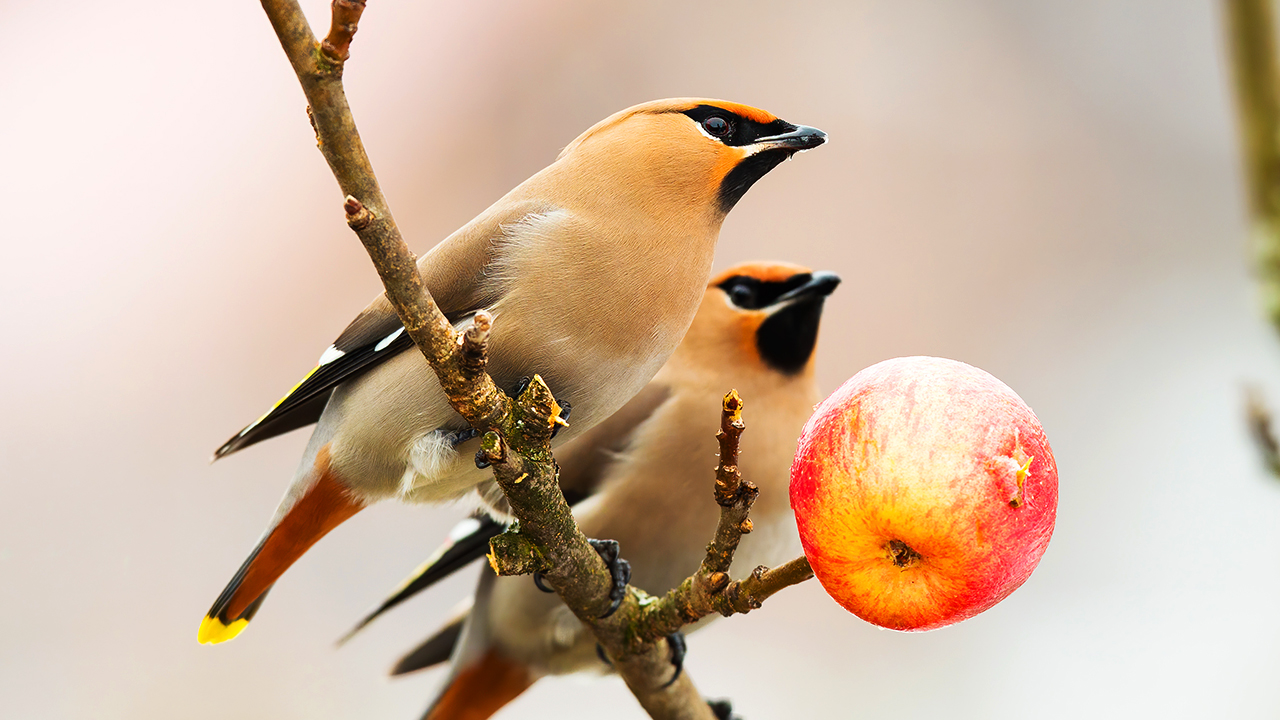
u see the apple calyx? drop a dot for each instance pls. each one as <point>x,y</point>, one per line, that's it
<point>902,554</point>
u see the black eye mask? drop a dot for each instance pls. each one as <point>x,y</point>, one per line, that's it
<point>742,131</point>
<point>751,293</point>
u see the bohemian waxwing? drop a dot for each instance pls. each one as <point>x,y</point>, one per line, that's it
<point>647,475</point>
<point>592,270</point>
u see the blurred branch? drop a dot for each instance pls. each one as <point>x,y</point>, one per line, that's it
<point>517,435</point>
<point>1261,429</point>
<point>1251,29</point>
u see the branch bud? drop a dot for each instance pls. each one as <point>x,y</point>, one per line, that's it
<point>492,450</point>
<point>717,581</point>
<point>358,216</point>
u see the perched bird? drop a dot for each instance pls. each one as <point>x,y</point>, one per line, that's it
<point>647,476</point>
<point>592,270</point>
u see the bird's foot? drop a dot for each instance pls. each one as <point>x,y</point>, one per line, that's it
<point>678,648</point>
<point>457,437</point>
<point>722,709</point>
<point>619,570</point>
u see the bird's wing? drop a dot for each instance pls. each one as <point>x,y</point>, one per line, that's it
<point>455,273</point>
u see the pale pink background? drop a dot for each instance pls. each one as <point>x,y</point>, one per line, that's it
<point>1047,190</point>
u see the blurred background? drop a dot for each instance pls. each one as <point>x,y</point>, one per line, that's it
<point>1049,190</point>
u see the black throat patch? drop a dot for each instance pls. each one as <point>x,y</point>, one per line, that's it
<point>746,173</point>
<point>786,339</point>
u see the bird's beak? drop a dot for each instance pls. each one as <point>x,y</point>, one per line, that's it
<point>802,138</point>
<point>821,284</point>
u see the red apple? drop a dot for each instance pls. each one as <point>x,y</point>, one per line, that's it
<point>925,492</point>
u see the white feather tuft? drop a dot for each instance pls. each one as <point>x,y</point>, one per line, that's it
<point>428,458</point>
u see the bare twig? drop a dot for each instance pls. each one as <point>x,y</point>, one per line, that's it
<point>745,595</point>
<point>346,15</point>
<point>734,496</point>
<point>517,435</point>
<point>710,589</point>
<point>728,477</point>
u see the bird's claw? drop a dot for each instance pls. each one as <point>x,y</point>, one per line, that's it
<point>538,583</point>
<point>521,385</point>
<point>457,437</point>
<point>722,709</point>
<point>676,641</point>
<point>619,571</point>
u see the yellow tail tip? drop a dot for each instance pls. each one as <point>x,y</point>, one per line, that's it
<point>213,631</point>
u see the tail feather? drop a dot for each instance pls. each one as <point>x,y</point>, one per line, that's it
<point>324,506</point>
<point>481,689</point>
<point>481,679</point>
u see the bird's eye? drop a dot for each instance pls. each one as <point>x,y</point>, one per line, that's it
<point>717,126</point>
<point>742,295</point>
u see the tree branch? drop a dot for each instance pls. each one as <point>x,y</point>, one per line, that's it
<point>1252,47</point>
<point>1251,28</point>
<point>517,435</point>
<point>710,589</point>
